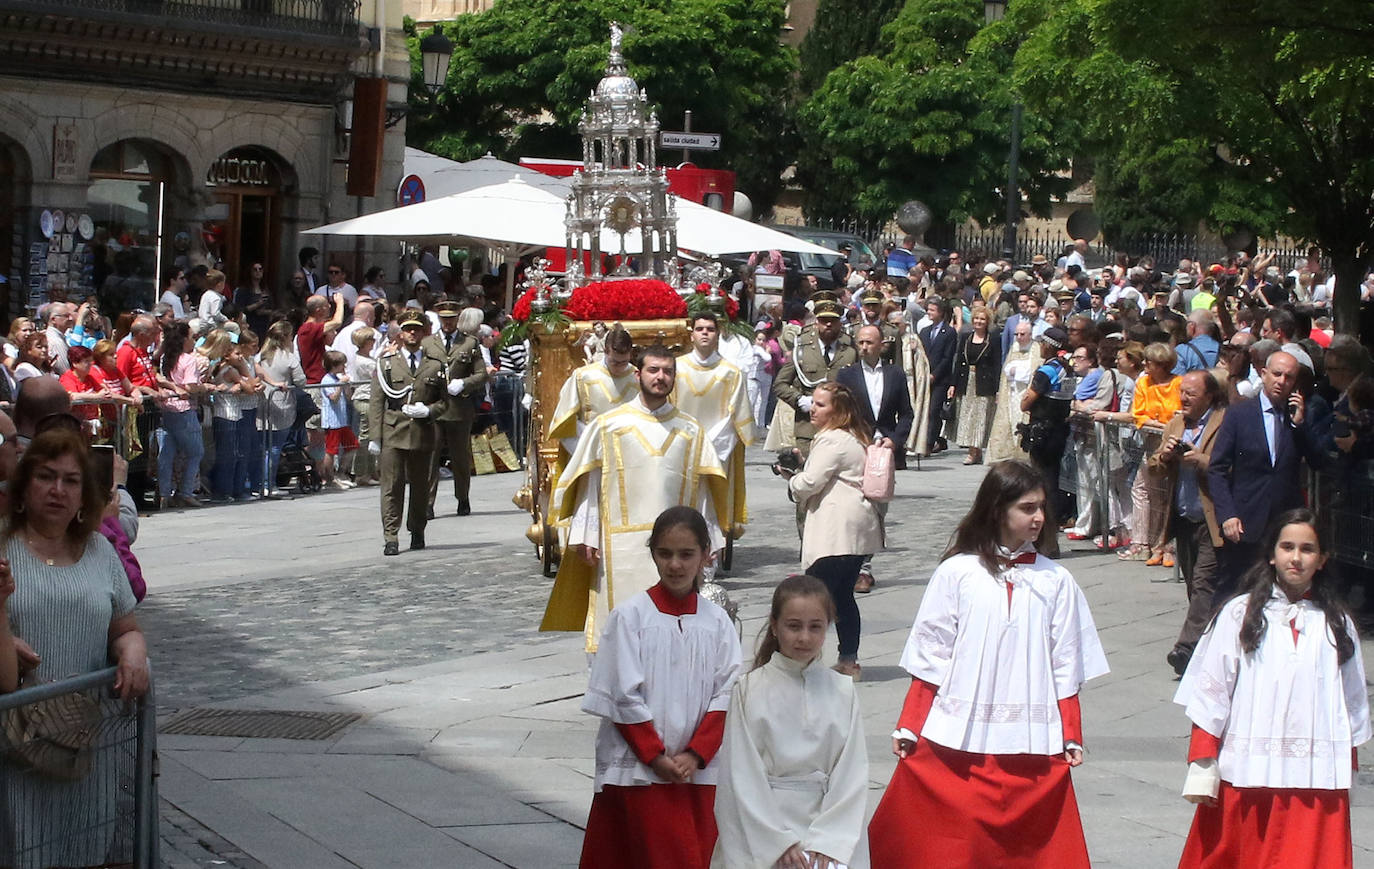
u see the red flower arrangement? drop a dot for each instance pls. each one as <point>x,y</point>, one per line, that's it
<point>625,300</point>
<point>521,310</point>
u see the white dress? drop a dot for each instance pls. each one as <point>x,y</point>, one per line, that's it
<point>1287,715</point>
<point>1002,669</point>
<point>795,767</point>
<point>667,669</point>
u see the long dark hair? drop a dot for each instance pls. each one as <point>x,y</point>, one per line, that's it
<point>686,517</point>
<point>1262,577</point>
<point>797,585</point>
<point>980,531</point>
<point>174,337</point>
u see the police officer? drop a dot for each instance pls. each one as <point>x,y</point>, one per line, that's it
<point>822,349</point>
<point>411,390</point>
<point>457,350</point>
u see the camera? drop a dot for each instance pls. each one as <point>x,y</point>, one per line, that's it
<point>787,461</point>
<point>1181,447</point>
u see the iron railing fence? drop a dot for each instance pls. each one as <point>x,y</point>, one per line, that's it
<point>324,17</point>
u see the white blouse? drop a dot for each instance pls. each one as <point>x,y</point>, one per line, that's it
<point>1001,667</point>
<point>794,767</point>
<point>1287,715</point>
<point>671,670</point>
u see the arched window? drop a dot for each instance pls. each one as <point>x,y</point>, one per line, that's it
<point>126,199</point>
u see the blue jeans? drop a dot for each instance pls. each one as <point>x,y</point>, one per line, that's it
<point>222,479</point>
<point>249,472</point>
<point>179,446</point>
<point>276,440</point>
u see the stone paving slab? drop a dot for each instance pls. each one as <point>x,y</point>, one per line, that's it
<point>473,750</point>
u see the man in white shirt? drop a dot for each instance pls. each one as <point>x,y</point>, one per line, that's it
<point>338,283</point>
<point>59,317</point>
<point>174,293</point>
<point>363,315</point>
<point>1076,256</point>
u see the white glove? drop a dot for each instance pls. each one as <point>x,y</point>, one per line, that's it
<point>374,448</point>
<point>415,411</point>
<point>804,404</point>
<point>455,386</point>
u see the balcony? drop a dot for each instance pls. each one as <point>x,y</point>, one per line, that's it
<point>286,49</point>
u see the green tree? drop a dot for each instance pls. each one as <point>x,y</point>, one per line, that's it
<point>843,30</point>
<point>927,117</point>
<point>522,71</point>
<point>1276,110</point>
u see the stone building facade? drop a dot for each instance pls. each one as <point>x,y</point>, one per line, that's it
<point>151,132</point>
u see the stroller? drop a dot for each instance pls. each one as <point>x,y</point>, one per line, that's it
<point>297,470</point>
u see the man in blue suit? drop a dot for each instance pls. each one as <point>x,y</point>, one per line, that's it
<point>1255,472</point>
<point>941,342</point>
<point>881,394</point>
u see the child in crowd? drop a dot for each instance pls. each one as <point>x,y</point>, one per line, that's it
<point>364,370</point>
<point>660,683</point>
<point>248,482</point>
<point>991,726</point>
<point>794,780</point>
<point>224,367</point>
<point>339,440</point>
<point>1276,693</point>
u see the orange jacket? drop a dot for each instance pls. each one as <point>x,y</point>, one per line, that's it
<point>1157,402</point>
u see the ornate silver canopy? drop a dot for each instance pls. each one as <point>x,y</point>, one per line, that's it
<point>620,186</point>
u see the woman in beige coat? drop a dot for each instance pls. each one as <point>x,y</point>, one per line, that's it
<point>842,526</point>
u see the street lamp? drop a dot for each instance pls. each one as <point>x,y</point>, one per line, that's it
<point>995,10</point>
<point>436,50</point>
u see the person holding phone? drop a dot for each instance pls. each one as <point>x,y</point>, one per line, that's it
<point>1255,471</point>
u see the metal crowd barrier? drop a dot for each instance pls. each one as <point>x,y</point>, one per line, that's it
<point>1344,503</point>
<point>105,811</point>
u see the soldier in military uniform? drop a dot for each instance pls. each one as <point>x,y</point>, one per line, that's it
<point>411,389</point>
<point>822,349</point>
<point>871,314</point>
<point>458,352</point>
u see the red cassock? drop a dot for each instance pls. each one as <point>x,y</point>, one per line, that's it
<point>1267,828</point>
<point>946,808</point>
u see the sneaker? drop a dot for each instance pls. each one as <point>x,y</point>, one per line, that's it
<point>187,501</point>
<point>279,495</point>
<point>338,485</point>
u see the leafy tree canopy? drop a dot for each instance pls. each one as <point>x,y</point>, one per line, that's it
<point>522,71</point>
<point>843,30</point>
<point>1262,113</point>
<point>927,117</point>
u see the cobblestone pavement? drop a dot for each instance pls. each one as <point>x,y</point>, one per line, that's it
<point>222,641</point>
<point>216,635</point>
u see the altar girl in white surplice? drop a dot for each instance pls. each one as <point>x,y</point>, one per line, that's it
<point>794,776</point>
<point>1276,693</point>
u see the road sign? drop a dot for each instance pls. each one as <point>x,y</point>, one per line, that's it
<point>692,141</point>
<point>411,191</point>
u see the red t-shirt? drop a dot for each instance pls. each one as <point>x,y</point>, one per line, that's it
<point>74,383</point>
<point>310,344</point>
<point>136,366</point>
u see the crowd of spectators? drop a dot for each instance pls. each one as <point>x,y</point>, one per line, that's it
<point>1127,384</point>
<point>206,390</point>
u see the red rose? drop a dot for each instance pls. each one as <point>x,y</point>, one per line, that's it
<point>521,310</point>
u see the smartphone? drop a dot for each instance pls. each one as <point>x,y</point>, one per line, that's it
<point>102,459</point>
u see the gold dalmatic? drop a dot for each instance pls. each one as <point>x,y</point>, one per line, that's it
<point>715,394</point>
<point>629,466</point>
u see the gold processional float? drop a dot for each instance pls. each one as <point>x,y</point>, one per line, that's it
<point>619,188</point>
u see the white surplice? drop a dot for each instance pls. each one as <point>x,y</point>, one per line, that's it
<point>794,768</point>
<point>1002,670</point>
<point>670,670</point>
<point>1287,715</point>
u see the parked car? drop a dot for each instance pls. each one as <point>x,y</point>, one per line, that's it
<point>819,264</point>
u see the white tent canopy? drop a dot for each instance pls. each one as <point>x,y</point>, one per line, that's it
<point>523,209</point>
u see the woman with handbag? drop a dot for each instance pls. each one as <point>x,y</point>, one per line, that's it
<point>73,607</point>
<point>977,368</point>
<point>841,526</point>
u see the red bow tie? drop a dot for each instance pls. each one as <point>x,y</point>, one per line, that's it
<point>1024,558</point>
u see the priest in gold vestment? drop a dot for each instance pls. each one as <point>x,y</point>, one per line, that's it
<point>631,463</point>
<point>713,392</point>
<point>593,389</point>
